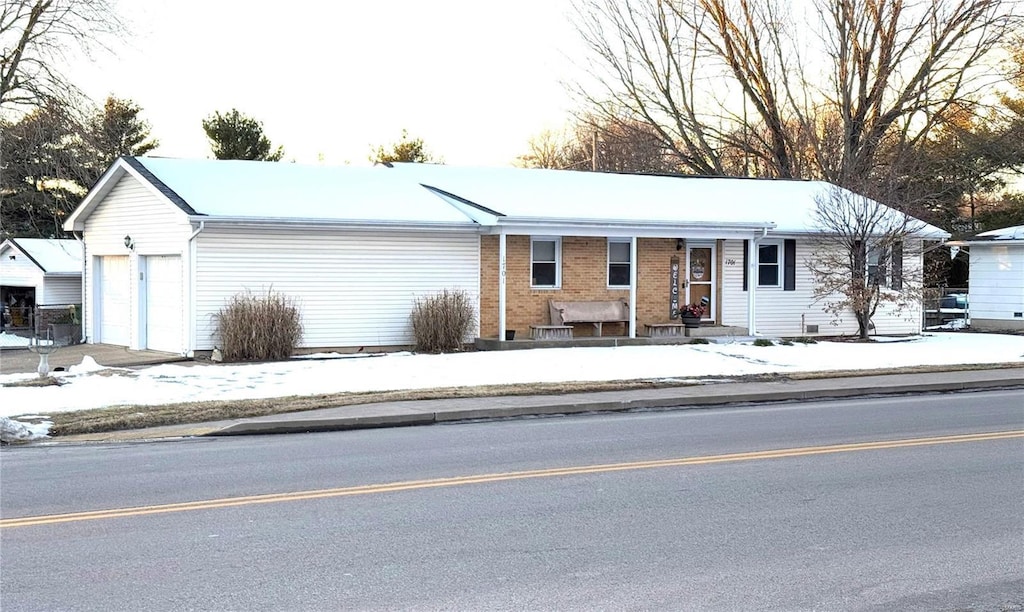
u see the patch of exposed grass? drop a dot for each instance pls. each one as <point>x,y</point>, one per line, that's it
<point>120,418</point>
<point>39,381</point>
<point>137,417</point>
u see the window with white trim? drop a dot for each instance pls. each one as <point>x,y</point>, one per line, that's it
<point>885,266</point>
<point>877,266</point>
<point>545,262</point>
<point>769,264</point>
<point>618,263</point>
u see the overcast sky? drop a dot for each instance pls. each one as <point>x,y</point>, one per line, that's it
<point>474,79</point>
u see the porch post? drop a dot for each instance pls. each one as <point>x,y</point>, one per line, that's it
<point>501,286</point>
<point>632,286</point>
<point>752,285</point>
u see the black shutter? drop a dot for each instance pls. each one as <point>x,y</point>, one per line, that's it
<point>897,266</point>
<point>746,264</point>
<point>789,266</point>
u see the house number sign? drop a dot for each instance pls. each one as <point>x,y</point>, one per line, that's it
<point>673,292</point>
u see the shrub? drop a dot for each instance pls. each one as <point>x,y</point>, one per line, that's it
<point>441,322</point>
<point>259,328</point>
<point>699,341</point>
<point>785,343</point>
<point>805,340</point>
<point>763,342</point>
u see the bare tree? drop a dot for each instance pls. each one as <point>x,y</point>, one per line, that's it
<point>858,256</point>
<point>554,150</point>
<point>598,144</point>
<point>757,86</point>
<point>37,35</point>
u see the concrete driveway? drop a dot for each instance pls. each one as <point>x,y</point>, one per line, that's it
<point>22,360</point>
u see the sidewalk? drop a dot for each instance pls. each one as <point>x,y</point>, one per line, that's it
<point>427,412</point>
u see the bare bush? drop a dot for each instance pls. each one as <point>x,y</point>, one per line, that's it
<point>442,322</point>
<point>259,328</point>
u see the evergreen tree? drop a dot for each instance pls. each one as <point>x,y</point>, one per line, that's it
<point>233,135</point>
<point>405,150</point>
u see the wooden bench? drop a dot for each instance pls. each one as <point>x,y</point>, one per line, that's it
<point>664,330</point>
<point>551,332</point>
<point>595,313</point>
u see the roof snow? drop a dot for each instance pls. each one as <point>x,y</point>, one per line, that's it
<point>404,193</point>
<point>52,255</point>
<point>273,190</point>
<point>1007,233</point>
<point>520,193</point>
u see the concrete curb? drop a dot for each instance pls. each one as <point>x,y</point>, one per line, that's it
<point>717,395</point>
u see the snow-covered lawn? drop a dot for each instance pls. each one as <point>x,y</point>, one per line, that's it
<point>90,386</point>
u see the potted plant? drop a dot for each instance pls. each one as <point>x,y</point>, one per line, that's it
<point>692,313</point>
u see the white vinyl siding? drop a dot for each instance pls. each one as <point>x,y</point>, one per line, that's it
<point>786,313</point>
<point>20,271</point>
<point>353,288</point>
<point>156,226</point>
<point>997,282</point>
<point>59,290</point>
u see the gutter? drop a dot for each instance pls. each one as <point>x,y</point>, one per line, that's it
<point>344,223</point>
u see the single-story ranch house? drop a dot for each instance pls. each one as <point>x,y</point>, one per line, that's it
<point>40,278</point>
<point>169,241</point>
<point>996,295</point>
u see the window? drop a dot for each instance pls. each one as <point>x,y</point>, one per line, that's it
<point>618,263</point>
<point>769,264</point>
<point>545,254</point>
<point>877,264</point>
<point>885,266</point>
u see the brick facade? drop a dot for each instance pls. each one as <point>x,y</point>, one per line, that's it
<point>584,277</point>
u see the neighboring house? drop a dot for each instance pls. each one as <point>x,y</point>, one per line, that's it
<point>996,294</point>
<point>169,241</point>
<point>39,280</point>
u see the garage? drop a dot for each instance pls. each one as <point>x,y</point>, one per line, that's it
<point>114,299</point>
<point>164,308</point>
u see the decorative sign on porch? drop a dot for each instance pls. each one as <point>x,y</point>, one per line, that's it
<point>673,292</point>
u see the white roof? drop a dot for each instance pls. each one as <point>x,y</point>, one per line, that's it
<point>1007,233</point>
<point>53,256</point>
<point>519,193</point>
<point>523,200</point>
<point>270,190</point>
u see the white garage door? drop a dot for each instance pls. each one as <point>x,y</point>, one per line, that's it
<point>164,307</point>
<point>114,301</point>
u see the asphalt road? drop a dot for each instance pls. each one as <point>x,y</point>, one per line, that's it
<point>663,510</point>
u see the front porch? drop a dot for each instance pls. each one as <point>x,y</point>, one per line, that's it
<point>610,290</point>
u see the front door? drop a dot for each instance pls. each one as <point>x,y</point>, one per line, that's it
<point>700,276</point>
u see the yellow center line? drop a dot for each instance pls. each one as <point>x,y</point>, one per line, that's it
<point>228,502</point>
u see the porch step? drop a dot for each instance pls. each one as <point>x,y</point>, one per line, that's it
<point>709,331</point>
<point>551,332</point>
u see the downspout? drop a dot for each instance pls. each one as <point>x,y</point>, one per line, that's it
<point>81,308</point>
<point>752,252</point>
<point>632,286</point>
<point>190,350</point>
<point>501,285</point>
